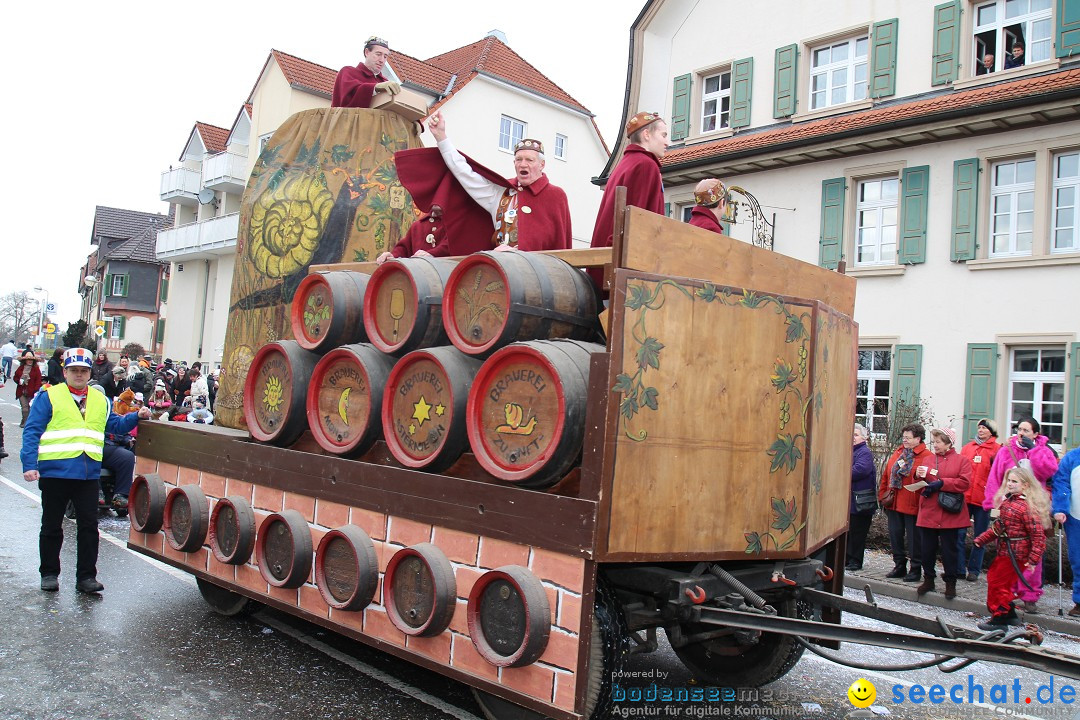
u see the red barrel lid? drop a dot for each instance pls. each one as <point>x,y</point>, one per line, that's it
<point>311,311</point>
<point>268,392</point>
<point>390,303</point>
<point>339,407</point>
<point>418,408</point>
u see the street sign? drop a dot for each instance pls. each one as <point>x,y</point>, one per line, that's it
<point>99,330</point>
<point>50,328</point>
<point>51,307</point>
<point>100,323</point>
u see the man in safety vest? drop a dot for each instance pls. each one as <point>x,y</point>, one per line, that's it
<point>62,448</point>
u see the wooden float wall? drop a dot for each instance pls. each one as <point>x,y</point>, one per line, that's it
<point>479,526</point>
<point>732,400</point>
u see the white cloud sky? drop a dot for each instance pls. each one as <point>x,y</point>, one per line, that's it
<point>102,97</point>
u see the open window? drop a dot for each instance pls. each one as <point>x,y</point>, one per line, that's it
<point>1001,25</point>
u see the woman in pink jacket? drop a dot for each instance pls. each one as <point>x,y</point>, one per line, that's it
<point>1026,448</point>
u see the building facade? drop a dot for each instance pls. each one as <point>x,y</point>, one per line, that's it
<point>909,141</point>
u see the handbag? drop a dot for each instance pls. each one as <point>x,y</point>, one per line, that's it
<point>952,502</point>
<point>864,499</point>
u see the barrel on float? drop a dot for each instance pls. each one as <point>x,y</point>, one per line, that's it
<point>328,310</point>
<point>423,410</point>
<point>526,413</point>
<point>403,304</point>
<point>496,298</point>
<point>344,401</point>
<point>275,392</point>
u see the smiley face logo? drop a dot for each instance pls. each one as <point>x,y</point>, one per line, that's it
<point>862,693</point>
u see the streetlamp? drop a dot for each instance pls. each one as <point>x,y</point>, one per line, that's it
<point>42,309</point>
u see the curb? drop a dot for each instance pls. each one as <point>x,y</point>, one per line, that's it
<point>1054,623</point>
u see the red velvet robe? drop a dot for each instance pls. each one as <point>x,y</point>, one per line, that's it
<point>546,226</point>
<point>639,172</point>
<point>355,86</point>
<point>417,238</point>
<point>705,218</point>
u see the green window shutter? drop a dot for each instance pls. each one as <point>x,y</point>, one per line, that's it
<point>965,208</point>
<point>907,373</point>
<point>785,81</point>
<point>123,286</point>
<point>915,198</point>
<point>726,227</point>
<point>1067,30</point>
<point>1072,421</point>
<point>883,58</point>
<point>108,286</point>
<point>832,222</point>
<point>164,289</point>
<point>980,386</point>
<point>160,331</point>
<point>945,65</point>
<point>680,108</point>
<point>123,322</point>
<point>742,81</point>
<point>667,209</point>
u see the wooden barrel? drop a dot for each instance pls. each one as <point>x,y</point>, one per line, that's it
<point>275,392</point>
<point>496,298</point>
<point>526,413</point>
<point>419,590</point>
<point>146,503</point>
<point>186,518</point>
<point>423,411</point>
<point>284,549</point>
<point>328,310</point>
<point>347,568</point>
<point>344,400</point>
<point>232,530</point>
<point>403,304</point>
<point>509,616</point>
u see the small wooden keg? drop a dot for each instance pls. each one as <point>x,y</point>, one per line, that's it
<point>284,549</point>
<point>347,568</point>
<point>423,410</point>
<point>146,502</point>
<point>344,400</point>
<point>403,304</point>
<point>526,413</point>
<point>509,616</point>
<point>275,392</point>
<point>186,518</point>
<point>496,298</point>
<point>419,590</point>
<point>328,310</point>
<point>232,530</point>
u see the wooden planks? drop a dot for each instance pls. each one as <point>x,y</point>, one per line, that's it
<point>582,258</point>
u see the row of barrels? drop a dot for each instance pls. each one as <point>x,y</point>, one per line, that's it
<point>521,410</point>
<point>507,612</point>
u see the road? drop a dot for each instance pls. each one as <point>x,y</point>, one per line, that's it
<point>150,649</point>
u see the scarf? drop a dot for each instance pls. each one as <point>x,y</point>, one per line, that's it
<point>901,469</point>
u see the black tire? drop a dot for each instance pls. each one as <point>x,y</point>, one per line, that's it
<point>225,602</point>
<point>759,664</point>
<point>608,651</point>
<point>120,512</point>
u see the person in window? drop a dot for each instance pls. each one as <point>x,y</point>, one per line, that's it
<point>710,197</point>
<point>981,452</point>
<point>946,471</point>
<point>986,66</point>
<point>902,505</point>
<point>863,477</point>
<point>355,86</point>
<point>1017,58</point>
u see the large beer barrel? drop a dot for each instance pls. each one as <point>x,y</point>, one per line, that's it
<point>344,401</point>
<point>403,304</point>
<point>186,518</point>
<point>509,616</point>
<point>328,310</point>
<point>275,392</point>
<point>423,410</point>
<point>420,590</point>
<point>232,530</point>
<point>284,549</point>
<point>526,413</point>
<point>496,298</point>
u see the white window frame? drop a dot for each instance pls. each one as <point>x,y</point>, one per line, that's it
<point>1039,379</point>
<point>872,376</point>
<point>1015,191</point>
<point>507,138</point>
<point>879,208</point>
<point>119,285</point>
<point>719,96</point>
<point>114,327</point>
<point>560,146</point>
<point>1035,49</point>
<point>263,140</point>
<point>1062,188</point>
<point>854,90</point>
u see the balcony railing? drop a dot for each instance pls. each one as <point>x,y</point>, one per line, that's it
<point>181,185</point>
<point>199,240</point>
<point>225,172</point>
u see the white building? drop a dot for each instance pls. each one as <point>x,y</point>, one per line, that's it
<point>870,132</point>
<point>490,96</point>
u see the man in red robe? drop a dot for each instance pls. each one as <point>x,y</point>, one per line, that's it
<point>639,172</point>
<point>711,198</point>
<point>355,86</point>
<point>426,236</point>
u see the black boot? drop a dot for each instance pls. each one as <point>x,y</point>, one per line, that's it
<point>926,586</point>
<point>950,589</point>
<point>899,571</point>
<point>915,575</point>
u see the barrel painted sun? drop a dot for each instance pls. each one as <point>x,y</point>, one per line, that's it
<point>273,395</point>
<point>287,222</point>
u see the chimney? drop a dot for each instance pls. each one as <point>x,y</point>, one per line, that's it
<point>498,35</point>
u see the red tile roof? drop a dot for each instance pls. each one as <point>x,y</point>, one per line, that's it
<point>213,137</point>
<point>1025,90</point>
<point>418,72</point>
<point>303,74</point>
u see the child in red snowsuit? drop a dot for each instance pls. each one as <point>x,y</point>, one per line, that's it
<point>1024,516</point>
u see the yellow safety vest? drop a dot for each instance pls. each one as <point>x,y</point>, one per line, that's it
<point>69,434</point>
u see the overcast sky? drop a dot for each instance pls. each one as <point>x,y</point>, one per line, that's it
<point>102,96</point>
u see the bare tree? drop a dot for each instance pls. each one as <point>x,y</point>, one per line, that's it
<point>18,314</point>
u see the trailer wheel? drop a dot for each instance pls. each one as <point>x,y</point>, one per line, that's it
<point>723,663</point>
<point>225,602</point>
<point>607,650</point>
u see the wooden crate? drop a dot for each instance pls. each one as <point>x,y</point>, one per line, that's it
<point>407,103</point>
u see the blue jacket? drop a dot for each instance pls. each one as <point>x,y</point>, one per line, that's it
<point>1067,473</point>
<point>80,468</point>
<point>863,475</point>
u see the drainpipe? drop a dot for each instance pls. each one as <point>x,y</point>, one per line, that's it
<point>202,319</point>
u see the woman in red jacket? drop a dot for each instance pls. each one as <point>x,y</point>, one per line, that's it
<point>980,452</point>
<point>902,505</point>
<point>947,471</point>
<point>27,382</point>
